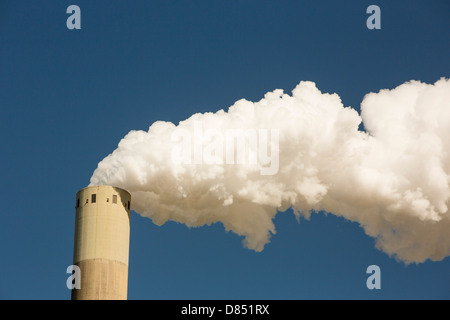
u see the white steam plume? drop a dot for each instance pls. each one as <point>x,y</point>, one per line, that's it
<point>393,180</point>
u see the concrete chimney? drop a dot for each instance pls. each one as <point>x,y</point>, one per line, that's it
<point>102,237</point>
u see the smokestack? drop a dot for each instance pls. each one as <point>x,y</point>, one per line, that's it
<point>102,237</point>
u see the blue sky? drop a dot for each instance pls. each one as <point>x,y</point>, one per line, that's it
<point>67,97</point>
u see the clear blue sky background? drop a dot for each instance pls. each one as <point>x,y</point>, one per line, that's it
<point>67,97</point>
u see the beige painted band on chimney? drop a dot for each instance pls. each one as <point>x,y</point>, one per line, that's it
<point>102,280</point>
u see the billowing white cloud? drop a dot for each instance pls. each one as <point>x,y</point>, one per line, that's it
<point>393,180</point>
